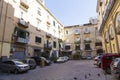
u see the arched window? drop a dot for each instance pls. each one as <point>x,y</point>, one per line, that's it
<point>106,37</point>
<point>111,32</point>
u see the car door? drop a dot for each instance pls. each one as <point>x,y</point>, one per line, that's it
<point>9,66</point>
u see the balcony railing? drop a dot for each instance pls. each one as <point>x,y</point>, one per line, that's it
<point>88,49</point>
<point>48,35</point>
<point>87,41</point>
<point>87,32</point>
<point>22,40</point>
<point>77,42</point>
<point>23,23</point>
<point>24,4</point>
<point>76,33</point>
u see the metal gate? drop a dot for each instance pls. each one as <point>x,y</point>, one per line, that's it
<point>18,55</point>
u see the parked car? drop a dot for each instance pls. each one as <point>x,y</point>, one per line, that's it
<point>115,68</point>
<point>83,57</point>
<point>39,60</point>
<point>88,57</point>
<point>31,62</point>
<point>97,61</point>
<point>15,66</point>
<point>66,58</point>
<point>106,60</point>
<point>60,60</point>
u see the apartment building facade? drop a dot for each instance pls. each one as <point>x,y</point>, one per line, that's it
<point>27,28</point>
<point>83,39</point>
<point>109,20</point>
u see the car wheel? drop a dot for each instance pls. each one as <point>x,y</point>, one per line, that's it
<point>16,71</point>
<point>108,70</point>
<point>99,65</point>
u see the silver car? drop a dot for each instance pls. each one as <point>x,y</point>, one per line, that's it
<point>115,68</point>
<point>14,66</point>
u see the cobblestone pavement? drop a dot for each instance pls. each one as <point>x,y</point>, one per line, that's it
<point>71,70</point>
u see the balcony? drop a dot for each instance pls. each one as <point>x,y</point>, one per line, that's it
<point>48,22</point>
<point>87,32</point>
<point>76,33</point>
<point>24,4</point>
<point>22,40</point>
<point>48,35</point>
<point>47,46</point>
<point>77,41</point>
<point>87,41</point>
<point>23,23</point>
<point>20,36</point>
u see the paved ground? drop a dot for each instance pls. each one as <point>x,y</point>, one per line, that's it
<point>71,70</point>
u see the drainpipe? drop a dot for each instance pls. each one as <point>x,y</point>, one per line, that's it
<point>4,30</point>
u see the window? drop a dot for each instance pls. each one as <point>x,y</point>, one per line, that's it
<point>21,33</point>
<point>54,44</point>
<point>87,30</point>
<point>66,31</point>
<point>38,22</point>
<point>77,47</point>
<point>53,23</point>
<point>76,31</point>
<point>87,47</point>
<point>21,14</point>
<point>67,47</point>
<point>39,11</point>
<point>37,39</point>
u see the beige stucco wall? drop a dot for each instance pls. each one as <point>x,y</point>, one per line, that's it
<point>6,49</point>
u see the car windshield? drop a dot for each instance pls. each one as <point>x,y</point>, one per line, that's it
<point>18,63</point>
<point>61,57</point>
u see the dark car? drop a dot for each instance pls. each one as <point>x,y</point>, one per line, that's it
<point>31,62</point>
<point>41,60</point>
<point>115,68</point>
<point>37,59</point>
<point>14,66</point>
<point>106,60</point>
<point>47,62</point>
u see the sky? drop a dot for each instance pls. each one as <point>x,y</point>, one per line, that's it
<point>72,12</point>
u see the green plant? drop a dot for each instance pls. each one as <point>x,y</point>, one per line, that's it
<point>76,56</point>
